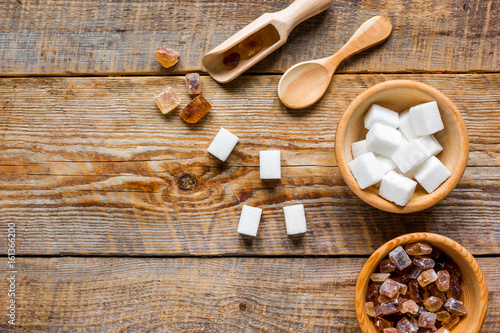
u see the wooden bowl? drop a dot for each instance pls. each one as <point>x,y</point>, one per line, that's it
<point>475,293</point>
<point>400,95</point>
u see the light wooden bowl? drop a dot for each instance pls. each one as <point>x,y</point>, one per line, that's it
<point>475,293</point>
<point>400,95</point>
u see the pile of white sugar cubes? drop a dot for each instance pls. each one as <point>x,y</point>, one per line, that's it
<point>270,168</point>
<point>399,148</point>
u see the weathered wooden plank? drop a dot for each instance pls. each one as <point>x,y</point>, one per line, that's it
<point>89,165</point>
<point>119,37</point>
<point>198,295</point>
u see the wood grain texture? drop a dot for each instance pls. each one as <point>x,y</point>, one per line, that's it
<point>119,37</point>
<point>198,295</point>
<point>91,166</point>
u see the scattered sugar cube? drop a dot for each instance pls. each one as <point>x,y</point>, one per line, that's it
<point>379,114</point>
<point>431,144</point>
<point>385,163</point>
<point>397,188</point>
<point>358,148</point>
<point>223,144</point>
<point>195,110</point>
<point>431,174</point>
<point>270,164</point>
<point>295,219</point>
<point>167,100</point>
<point>249,220</point>
<point>426,119</point>
<point>410,155</point>
<point>366,170</point>
<point>166,57</point>
<point>193,83</point>
<point>405,125</point>
<point>383,140</point>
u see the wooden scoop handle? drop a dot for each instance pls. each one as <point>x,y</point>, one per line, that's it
<point>298,11</point>
<point>372,32</point>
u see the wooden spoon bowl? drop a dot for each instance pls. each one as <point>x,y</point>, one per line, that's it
<point>475,293</point>
<point>400,95</point>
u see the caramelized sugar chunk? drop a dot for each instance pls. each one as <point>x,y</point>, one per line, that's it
<point>427,319</point>
<point>390,308</point>
<point>416,291</point>
<point>167,100</point>
<point>251,45</point>
<point>390,330</point>
<point>372,293</point>
<point>443,280</point>
<point>415,273</point>
<point>370,309</point>
<point>232,59</point>
<point>379,277</point>
<point>193,83</point>
<point>433,303</point>
<point>166,57</point>
<point>443,315</point>
<point>442,330</point>
<point>386,266</point>
<point>410,307</point>
<point>405,326</point>
<point>427,277</point>
<point>434,291</point>
<point>418,249</point>
<point>389,288</point>
<point>195,110</point>
<point>423,262</point>
<point>452,321</point>
<point>380,323</point>
<point>455,290</point>
<point>400,258</point>
<point>454,306</point>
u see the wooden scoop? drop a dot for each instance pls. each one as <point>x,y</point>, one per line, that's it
<point>271,31</point>
<point>303,84</point>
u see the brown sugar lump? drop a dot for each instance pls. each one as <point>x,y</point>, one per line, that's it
<point>195,110</point>
<point>193,83</point>
<point>167,100</point>
<point>166,57</point>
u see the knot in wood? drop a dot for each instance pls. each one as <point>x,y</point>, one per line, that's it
<point>243,306</point>
<point>187,182</point>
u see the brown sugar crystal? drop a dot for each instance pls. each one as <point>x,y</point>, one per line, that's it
<point>232,59</point>
<point>193,83</point>
<point>166,57</point>
<point>167,100</point>
<point>195,110</point>
<point>251,45</point>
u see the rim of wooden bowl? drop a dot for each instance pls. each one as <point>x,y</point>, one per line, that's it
<point>427,200</point>
<point>449,247</point>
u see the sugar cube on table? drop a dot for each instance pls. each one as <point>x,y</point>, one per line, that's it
<point>397,188</point>
<point>431,144</point>
<point>410,155</point>
<point>358,148</point>
<point>405,125</point>
<point>383,140</point>
<point>386,163</point>
<point>426,118</point>
<point>195,110</point>
<point>249,220</point>
<point>379,114</point>
<point>166,57</point>
<point>295,219</point>
<point>431,174</point>
<point>366,170</point>
<point>167,100</point>
<point>223,144</point>
<point>270,164</point>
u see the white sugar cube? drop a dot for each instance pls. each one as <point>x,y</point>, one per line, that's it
<point>386,163</point>
<point>366,170</point>
<point>383,140</point>
<point>397,188</point>
<point>426,118</point>
<point>410,155</point>
<point>270,164</point>
<point>358,148</point>
<point>431,174</point>
<point>405,125</point>
<point>249,220</point>
<point>381,115</point>
<point>223,144</point>
<point>295,219</point>
<point>431,144</point>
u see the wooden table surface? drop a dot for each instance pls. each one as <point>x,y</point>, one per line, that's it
<point>124,223</point>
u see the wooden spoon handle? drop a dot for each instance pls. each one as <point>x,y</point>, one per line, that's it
<point>372,32</point>
<point>298,11</point>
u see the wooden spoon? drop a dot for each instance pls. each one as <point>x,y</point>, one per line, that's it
<point>303,84</point>
<point>271,29</point>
